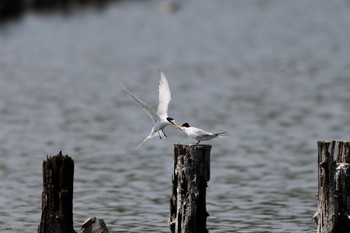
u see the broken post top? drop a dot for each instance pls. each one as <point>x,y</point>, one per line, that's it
<point>194,151</point>
<point>339,150</point>
<point>200,146</point>
<point>195,157</point>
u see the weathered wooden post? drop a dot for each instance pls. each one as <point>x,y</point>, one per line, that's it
<point>94,225</point>
<point>188,213</point>
<point>333,214</point>
<point>57,196</point>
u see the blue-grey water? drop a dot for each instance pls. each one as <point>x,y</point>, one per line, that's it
<point>274,74</point>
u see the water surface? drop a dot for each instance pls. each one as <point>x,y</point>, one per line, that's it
<point>274,74</point>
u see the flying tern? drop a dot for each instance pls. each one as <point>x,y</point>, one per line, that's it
<point>160,118</point>
<point>198,134</point>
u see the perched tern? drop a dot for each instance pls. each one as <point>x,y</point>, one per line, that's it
<point>198,134</point>
<point>160,118</point>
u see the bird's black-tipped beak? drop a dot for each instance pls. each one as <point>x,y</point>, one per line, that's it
<point>174,124</point>
<point>177,126</point>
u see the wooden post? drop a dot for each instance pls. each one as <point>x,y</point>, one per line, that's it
<point>94,225</point>
<point>333,214</point>
<point>57,196</point>
<point>188,211</point>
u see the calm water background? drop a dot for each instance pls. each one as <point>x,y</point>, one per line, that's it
<point>275,74</point>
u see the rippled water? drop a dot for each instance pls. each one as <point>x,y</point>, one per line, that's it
<point>275,74</point>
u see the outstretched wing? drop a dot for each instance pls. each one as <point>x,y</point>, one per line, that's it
<point>164,96</point>
<point>150,112</point>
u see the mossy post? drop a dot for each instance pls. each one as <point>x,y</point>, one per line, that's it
<point>57,196</point>
<point>333,214</point>
<point>188,213</point>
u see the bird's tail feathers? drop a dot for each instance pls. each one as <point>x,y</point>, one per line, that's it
<point>148,137</point>
<point>221,134</point>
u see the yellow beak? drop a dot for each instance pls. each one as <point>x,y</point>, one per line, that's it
<point>176,125</point>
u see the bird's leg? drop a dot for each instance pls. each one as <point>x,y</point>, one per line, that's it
<point>164,134</point>
<point>161,134</point>
<point>198,142</point>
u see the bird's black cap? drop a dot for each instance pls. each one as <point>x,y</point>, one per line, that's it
<point>170,119</point>
<point>185,125</point>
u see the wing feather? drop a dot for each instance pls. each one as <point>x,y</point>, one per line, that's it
<point>164,96</point>
<point>150,112</point>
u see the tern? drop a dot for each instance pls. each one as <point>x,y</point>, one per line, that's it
<point>160,118</point>
<point>198,134</point>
